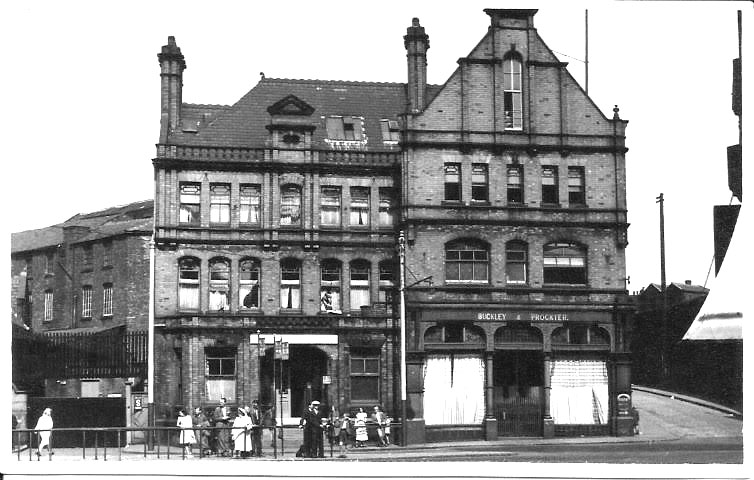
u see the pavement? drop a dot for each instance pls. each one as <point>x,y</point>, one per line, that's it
<point>664,416</point>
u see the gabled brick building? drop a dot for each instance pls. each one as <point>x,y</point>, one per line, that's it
<point>80,302</point>
<point>279,217</point>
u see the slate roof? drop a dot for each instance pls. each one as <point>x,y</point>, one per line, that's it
<point>243,124</point>
<point>109,222</point>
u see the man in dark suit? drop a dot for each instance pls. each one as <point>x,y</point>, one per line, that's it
<point>312,425</point>
<point>256,432</point>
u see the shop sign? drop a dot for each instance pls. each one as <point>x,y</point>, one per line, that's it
<point>624,403</point>
<point>523,316</point>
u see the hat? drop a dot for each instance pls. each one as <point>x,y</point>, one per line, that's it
<point>315,402</point>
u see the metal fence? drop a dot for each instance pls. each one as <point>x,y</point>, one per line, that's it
<point>110,443</point>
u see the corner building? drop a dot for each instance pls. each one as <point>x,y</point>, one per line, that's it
<point>514,204</point>
<point>278,218</point>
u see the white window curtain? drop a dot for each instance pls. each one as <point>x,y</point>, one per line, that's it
<point>579,393</point>
<point>218,388</point>
<point>453,389</point>
<point>290,296</point>
<point>189,297</point>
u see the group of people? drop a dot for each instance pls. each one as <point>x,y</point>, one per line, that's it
<point>238,437</point>
<point>344,430</point>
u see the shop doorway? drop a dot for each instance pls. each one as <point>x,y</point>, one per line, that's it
<point>518,396</point>
<point>291,384</point>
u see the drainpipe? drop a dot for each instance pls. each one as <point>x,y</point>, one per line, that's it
<point>402,273</point>
<point>150,345</point>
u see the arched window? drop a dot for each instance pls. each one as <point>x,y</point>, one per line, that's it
<point>329,286</point>
<point>248,284</point>
<point>360,284</point>
<point>188,283</point>
<point>581,335</point>
<point>219,284</point>
<point>513,117</point>
<point>565,263</point>
<point>516,262</point>
<point>290,205</point>
<point>467,261</point>
<point>290,284</point>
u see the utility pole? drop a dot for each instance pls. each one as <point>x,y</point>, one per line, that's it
<point>663,288</point>
<point>586,53</point>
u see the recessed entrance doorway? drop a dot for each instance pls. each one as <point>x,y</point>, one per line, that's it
<point>518,392</point>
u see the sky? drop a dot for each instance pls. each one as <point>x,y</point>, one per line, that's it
<point>81,92</point>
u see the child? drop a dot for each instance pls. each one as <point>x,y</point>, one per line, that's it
<point>186,424</point>
<point>345,425</point>
<point>387,430</point>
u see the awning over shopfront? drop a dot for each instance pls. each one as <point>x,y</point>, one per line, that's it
<point>721,316</point>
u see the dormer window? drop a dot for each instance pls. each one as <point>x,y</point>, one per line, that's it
<point>345,130</point>
<point>391,133</point>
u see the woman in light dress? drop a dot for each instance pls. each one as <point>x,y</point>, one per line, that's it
<point>361,428</point>
<point>240,434</point>
<point>44,429</point>
<point>187,437</point>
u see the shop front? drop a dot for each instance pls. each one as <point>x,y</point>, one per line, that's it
<point>516,373</point>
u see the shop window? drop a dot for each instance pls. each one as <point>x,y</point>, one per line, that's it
<point>479,183</point>
<point>550,185</point>
<point>290,205</point>
<point>250,200</point>
<point>516,262</point>
<point>329,209</point>
<point>190,203</point>
<point>360,206</point>
<point>219,203</point>
<point>515,175</point>
<point>453,182</point>
<point>188,284</point>
<point>365,375</point>
<point>387,204</point>
<point>359,284</point>
<point>220,374</point>
<point>107,300</point>
<point>329,294</point>
<point>576,195</point>
<point>248,284</point>
<point>466,261</point>
<point>219,284</point>
<point>86,302</point>
<point>581,335</point>
<point>564,263</point>
<point>290,284</point>
<point>454,333</point>
<point>512,94</point>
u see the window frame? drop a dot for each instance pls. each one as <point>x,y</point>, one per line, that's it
<point>569,252</point>
<point>511,247</point>
<point>49,299</point>
<point>344,128</point>
<point>359,207</point>
<point>550,185</point>
<point>452,187</point>
<point>514,191</point>
<point>223,357</point>
<point>255,270</point>
<point>221,286</point>
<point>86,302</point>
<point>331,281</point>
<point>333,209</point>
<point>513,114</point>
<point>191,264</point>
<point>219,203</point>
<point>363,285</point>
<point>291,197</point>
<point>576,186</point>
<point>391,133</point>
<point>249,204</point>
<point>386,212</point>
<point>294,286</point>
<point>107,299</point>
<point>481,247</point>
<point>363,356</point>
<point>190,203</point>
<point>480,190</point>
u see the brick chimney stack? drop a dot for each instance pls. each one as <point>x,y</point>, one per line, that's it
<point>172,66</point>
<point>417,44</point>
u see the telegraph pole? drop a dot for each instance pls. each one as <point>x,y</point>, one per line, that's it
<point>663,288</point>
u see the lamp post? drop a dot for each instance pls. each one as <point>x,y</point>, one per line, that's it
<point>663,286</point>
<point>402,274</point>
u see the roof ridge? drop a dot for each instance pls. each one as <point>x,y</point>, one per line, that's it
<point>315,80</point>
<point>218,105</point>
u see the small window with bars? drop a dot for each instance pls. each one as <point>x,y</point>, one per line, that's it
<point>107,300</point>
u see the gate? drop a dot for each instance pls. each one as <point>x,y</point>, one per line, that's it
<point>519,416</point>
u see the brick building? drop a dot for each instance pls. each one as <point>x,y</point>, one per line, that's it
<point>80,296</point>
<point>514,203</point>
<point>279,216</point>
